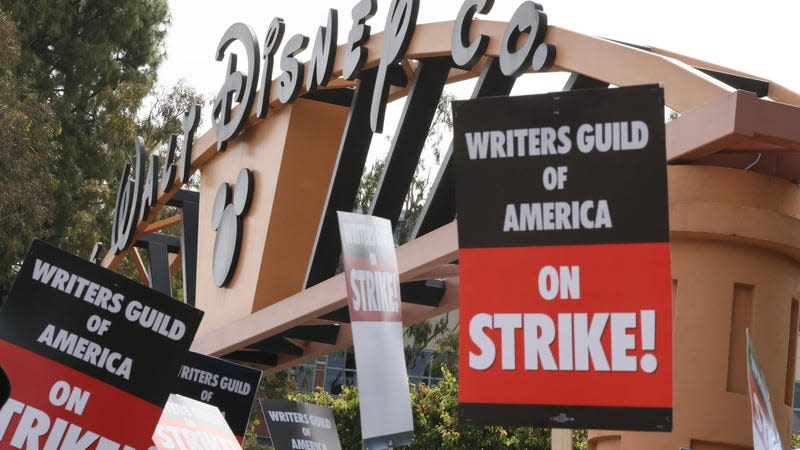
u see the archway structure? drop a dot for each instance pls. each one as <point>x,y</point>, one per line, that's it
<point>734,156</point>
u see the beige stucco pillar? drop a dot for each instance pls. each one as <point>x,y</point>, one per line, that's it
<point>735,252</point>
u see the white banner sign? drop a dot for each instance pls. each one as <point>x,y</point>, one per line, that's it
<point>373,290</point>
<point>765,432</point>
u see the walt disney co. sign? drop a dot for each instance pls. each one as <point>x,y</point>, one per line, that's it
<point>522,49</point>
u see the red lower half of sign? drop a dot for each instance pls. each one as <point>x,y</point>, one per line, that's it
<point>187,434</point>
<point>54,406</point>
<point>579,326</point>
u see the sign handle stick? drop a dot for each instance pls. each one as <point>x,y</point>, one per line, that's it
<point>560,439</point>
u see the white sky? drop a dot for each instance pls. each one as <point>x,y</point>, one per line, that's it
<point>761,37</point>
<point>757,37</point>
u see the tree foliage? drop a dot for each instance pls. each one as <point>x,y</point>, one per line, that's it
<point>436,333</point>
<point>73,76</point>
<point>163,115</point>
<point>29,154</point>
<point>435,421</point>
<point>435,411</point>
<point>91,63</point>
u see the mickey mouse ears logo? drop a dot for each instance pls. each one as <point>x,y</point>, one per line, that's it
<point>226,220</point>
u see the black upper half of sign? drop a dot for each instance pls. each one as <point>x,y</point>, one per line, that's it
<point>224,380</point>
<point>32,306</point>
<point>632,182</point>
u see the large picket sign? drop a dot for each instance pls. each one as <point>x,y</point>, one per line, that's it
<point>564,260</point>
<point>91,355</point>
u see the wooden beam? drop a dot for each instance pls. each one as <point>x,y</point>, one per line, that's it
<point>140,268</point>
<point>730,120</point>
<point>163,223</point>
<point>175,262</point>
<point>415,258</point>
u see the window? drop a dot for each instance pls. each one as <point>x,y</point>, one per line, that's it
<point>796,409</point>
<point>336,370</point>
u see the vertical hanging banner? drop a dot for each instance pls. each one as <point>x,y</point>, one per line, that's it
<point>765,431</point>
<point>294,425</point>
<point>230,387</point>
<point>90,355</point>
<point>565,308</point>
<point>191,424</point>
<point>373,291</point>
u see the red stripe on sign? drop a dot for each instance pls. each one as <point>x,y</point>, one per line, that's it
<point>373,289</point>
<point>52,403</point>
<point>583,325</point>
<point>177,433</point>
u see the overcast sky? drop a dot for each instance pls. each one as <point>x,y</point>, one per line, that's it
<point>758,37</point>
<point>761,37</point>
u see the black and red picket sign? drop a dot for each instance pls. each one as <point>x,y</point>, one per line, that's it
<point>91,355</point>
<point>564,260</point>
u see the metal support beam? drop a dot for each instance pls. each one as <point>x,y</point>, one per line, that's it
<point>277,345</point>
<point>158,267</point>
<point>440,207</point>
<point>341,315</point>
<point>189,202</point>
<point>325,334</point>
<point>754,85</point>
<point>253,357</point>
<point>159,246</point>
<point>427,292</point>
<point>172,243</point>
<point>579,81</point>
<point>339,96</point>
<point>409,139</point>
<point>346,178</point>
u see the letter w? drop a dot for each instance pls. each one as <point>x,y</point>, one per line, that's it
<point>477,144</point>
<point>43,271</point>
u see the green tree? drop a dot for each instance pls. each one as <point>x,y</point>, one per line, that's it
<point>435,421</point>
<point>580,439</point>
<point>28,156</point>
<point>435,418</point>
<point>92,63</point>
<point>418,336</point>
<point>438,334</point>
<point>163,114</point>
